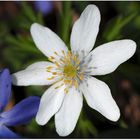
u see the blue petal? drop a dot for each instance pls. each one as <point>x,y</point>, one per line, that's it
<point>44,6</point>
<point>5,88</point>
<point>21,113</point>
<point>6,133</point>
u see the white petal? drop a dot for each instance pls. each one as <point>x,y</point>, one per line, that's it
<point>98,97</point>
<point>66,118</point>
<point>85,29</point>
<point>47,41</point>
<point>107,57</point>
<point>35,74</point>
<point>50,103</point>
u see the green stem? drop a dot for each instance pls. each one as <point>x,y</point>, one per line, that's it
<point>65,21</point>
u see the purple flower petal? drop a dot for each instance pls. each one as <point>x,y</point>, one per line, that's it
<point>44,7</point>
<point>6,133</point>
<point>21,113</point>
<point>5,88</point>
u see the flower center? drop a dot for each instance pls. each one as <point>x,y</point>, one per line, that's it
<point>69,68</point>
<point>70,71</point>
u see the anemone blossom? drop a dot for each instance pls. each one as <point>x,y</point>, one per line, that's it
<point>71,72</point>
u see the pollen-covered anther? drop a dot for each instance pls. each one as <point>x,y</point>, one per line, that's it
<point>72,70</point>
<point>51,58</point>
<point>54,73</point>
<point>78,61</point>
<point>74,58</point>
<point>48,70</point>
<point>81,76</point>
<point>67,81</point>
<point>68,68</point>
<point>55,53</point>
<point>63,52</point>
<point>59,86</point>
<point>49,67</point>
<point>76,84</point>
<point>66,90</point>
<point>56,63</point>
<point>78,68</point>
<point>69,54</point>
<point>51,78</point>
<point>62,60</point>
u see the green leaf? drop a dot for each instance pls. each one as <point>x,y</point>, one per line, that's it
<point>122,124</point>
<point>65,21</point>
<point>85,126</point>
<point>115,26</point>
<point>28,12</point>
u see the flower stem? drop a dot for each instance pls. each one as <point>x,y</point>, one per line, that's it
<point>65,21</point>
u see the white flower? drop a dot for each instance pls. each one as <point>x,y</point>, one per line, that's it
<point>71,72</point>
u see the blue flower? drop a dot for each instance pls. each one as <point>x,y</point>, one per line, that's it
<point>19,114</point>
<point>45,7</point>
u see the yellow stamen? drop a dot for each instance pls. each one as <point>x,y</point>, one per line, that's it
<point>69,53</point>
<point>68,69</point>
<point>62,60</point>
<point>56,64</point>
<point>50,67</point>
<point>81,76</point>
<point>51,78</point>
<point>74,58</point>
<point>78,61</point>
<point>54,73</point>
<point>59,86</point>
<point>67,81</point>
<point>56,53</point>
<point>66,90</point>
<point>51,58</point>
<point>78,68</point>
<point>75,84</point>
<point>70,83</point>
<point>63,52</point>
<point>59,74</point>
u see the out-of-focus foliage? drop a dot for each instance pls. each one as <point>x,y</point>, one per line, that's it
<point>120,20</point>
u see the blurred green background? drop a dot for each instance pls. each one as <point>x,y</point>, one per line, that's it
<point>119,20</point>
